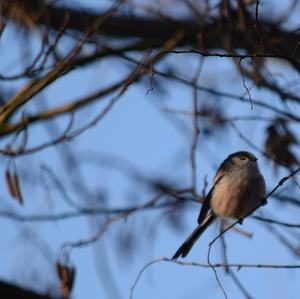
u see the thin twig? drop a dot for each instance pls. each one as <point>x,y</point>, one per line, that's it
<point>238,266</point>
<point>245,85</point>
<point>196,129</point>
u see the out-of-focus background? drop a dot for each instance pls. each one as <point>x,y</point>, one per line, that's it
<point>114,118</point>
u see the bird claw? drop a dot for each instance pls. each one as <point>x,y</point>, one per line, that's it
<point>240,221</point>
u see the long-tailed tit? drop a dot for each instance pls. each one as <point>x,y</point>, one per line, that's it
<point>238,187</point>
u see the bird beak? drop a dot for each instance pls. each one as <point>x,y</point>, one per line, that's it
<point>254,159</point>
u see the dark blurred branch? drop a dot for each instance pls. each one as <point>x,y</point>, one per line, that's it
<point>273,221</point>
<point>156,30</point>
<point>218,93</point>
<point>149,205</point>
<point>11,291</point>
<point>65,108</point>
<point>31,89</point>
<point>61,68</point>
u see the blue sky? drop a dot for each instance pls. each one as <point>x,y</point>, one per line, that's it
<point>138,132</point>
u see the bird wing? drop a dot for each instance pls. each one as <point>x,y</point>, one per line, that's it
<point>206,202</point>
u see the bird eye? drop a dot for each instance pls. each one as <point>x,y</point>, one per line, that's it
<point>243,158</point>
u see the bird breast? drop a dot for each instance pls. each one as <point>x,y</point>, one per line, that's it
<point>238,193</point>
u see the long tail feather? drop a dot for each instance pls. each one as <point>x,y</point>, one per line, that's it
<point>193,237</point>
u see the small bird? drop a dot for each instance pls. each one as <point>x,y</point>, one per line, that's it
<point>238,188</point>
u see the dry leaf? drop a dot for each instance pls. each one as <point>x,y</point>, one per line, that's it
<point>13,186</point>
<point>278,142</point>
<point>66,275</point>
<point>17,190</point>
<point>9,183</point>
